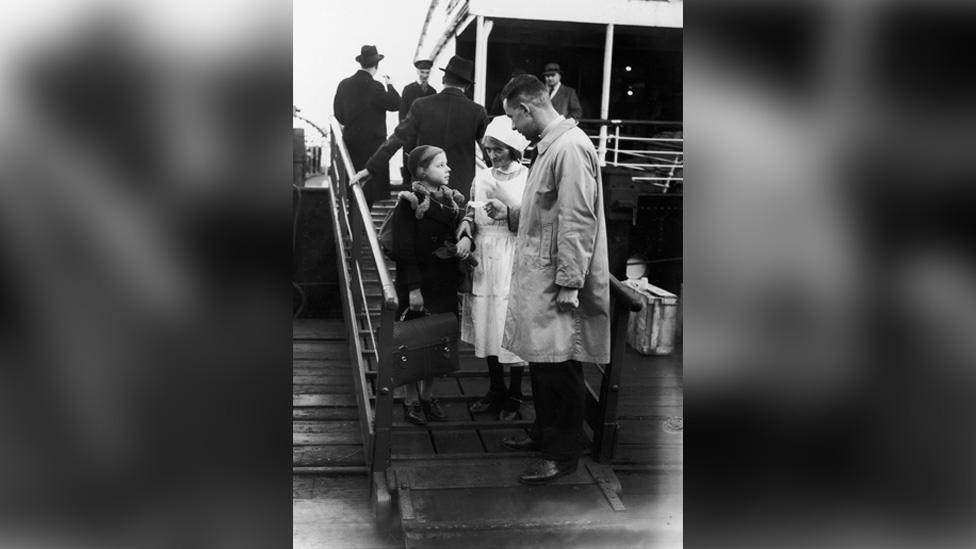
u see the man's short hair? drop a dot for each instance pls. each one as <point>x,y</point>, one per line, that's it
<point>371,65</point>
<point>526,88</point>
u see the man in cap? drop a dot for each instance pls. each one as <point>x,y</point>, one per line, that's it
<point>360,105</point>
<point>448,120</point>
<point>563,97</point>
<point>412,92</point>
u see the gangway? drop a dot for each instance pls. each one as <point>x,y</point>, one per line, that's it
<point>452,482</point>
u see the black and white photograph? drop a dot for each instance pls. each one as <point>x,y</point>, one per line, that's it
<point>488,253</point>
<point>486,305</point>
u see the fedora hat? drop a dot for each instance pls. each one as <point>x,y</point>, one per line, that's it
<point>368,55</point>
<point>552,68</point>
<point>461,68</point>
<point>423,63</point>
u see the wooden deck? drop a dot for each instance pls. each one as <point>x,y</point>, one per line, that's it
<point>332,507</point>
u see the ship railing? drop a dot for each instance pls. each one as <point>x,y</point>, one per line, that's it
<point>370,329</point>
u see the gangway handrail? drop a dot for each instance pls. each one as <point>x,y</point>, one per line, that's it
<point>389,292</point>
<point>350,206</point>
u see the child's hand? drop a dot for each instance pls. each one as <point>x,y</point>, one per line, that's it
<point>416,300</point>
<point>463,247</point>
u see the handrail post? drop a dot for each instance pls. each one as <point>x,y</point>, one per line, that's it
<point>383,418</point>
<point>616,145</point>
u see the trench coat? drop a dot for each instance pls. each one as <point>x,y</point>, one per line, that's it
<point>360,105</point>
<point>562,242</point>
<point>448,120</point>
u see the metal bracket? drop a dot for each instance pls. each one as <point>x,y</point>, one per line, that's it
<point>606,486</point>
<point>404,481</point>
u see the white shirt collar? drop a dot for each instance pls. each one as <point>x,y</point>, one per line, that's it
<point>555,89</point>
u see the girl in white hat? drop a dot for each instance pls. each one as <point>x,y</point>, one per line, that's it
<point>493,246</point>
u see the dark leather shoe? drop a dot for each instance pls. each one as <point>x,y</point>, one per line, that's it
<point>487,403</point>
<point>542,471</point>
<point>433,409</point>
<point>510,409</point>
<point>523,444</point>
<point>414,413</point>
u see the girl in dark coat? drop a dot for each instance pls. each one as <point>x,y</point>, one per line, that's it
<point>424,224</point>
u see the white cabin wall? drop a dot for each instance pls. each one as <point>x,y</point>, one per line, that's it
<point>642,13</point>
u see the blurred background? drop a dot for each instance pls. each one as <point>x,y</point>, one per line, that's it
<point>144,302</point>
<point>830,275</point>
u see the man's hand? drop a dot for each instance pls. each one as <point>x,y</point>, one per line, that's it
<point>464,247</point>
<point>386,79</point>
<point>496,209</point>
<point>360,175</point>
<point>416,300</point>
<point>567,300</point>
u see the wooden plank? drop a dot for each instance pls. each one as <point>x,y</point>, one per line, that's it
<point>319,349</point>
<point>329,438</point>
<point>409,442</point>
<point>490,472</point>
<point>345,378</point>
<point>324,400</point>
<point>333,454</point>
<point>649,431</point>
<point>314,328</point>
<point>326,368</point>
<point>323,413</point>
<point>456,441</point>
<point>657,455</point>
<point>305,426</point>
<point>323,389</point>
<point>338,514</point>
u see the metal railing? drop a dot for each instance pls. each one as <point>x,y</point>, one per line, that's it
<point>358,245</point>
<point>653,149</point>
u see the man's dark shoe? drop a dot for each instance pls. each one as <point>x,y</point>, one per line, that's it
<point>433,409</point>
<point>522,444</point>
<point>542,471</point>
<point>415,413</point>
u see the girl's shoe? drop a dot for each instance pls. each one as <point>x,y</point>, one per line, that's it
<point>489,402</point>
<point>433,409</point>
<point>414,413</point>
<point>510,409</point>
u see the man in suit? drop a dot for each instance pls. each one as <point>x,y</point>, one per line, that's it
<point>448,120</point>
<point>412,92</point>
<point>360,106</point>
<point>563,97</point>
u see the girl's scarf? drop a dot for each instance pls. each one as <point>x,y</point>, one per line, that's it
<point>419,198</point>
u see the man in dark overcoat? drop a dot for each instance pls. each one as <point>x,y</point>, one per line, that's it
<point>360,105</point>
<point>448,120</point>
<point>412,92</point>
<point>563,98</point>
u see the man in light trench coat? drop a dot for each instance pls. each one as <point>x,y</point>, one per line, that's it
<point>559,301</point>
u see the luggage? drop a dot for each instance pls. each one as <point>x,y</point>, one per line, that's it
<point>652,330</point>
<point>424,346</point>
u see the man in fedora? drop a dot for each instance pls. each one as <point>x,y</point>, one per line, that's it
<point>448,120</point>
<point>360,106</point>
<point>563,97</point>
<point>412,92</point>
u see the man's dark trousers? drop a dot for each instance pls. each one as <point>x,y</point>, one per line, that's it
<point>558,393</point>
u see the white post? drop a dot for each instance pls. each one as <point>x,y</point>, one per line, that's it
<point>605,97</point>
<point>482,30</point>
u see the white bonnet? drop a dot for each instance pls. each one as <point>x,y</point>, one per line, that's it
<point>501,129</point>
